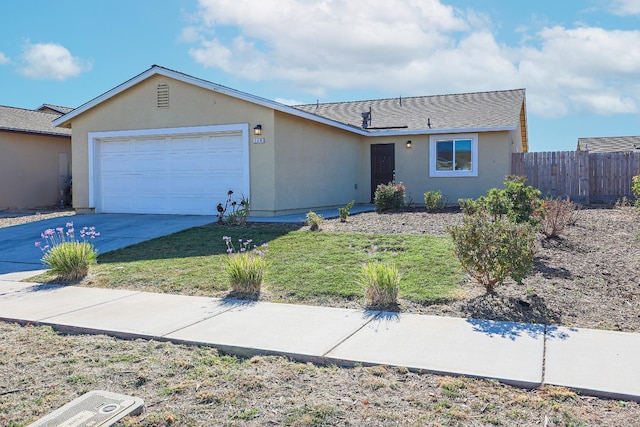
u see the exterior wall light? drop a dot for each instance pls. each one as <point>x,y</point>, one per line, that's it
<point>257,130</point>
<point>409,144</point>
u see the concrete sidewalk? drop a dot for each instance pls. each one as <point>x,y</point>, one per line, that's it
<point>595,362</point>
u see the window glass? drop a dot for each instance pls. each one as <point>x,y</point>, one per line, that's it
<point>462,156</point>
<point>445,155</point>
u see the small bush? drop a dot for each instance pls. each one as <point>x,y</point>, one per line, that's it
<point>314,221</point>
<point>381,284</point>
<point>344,212</point>
<point>519,203</point>
<point>525,204</point>
<point>389,196</point>
<point>469,206</point>
<point>245,268</point>
<point>635,189</point>
<point>433,200</point>
<point>66,256</point>
<point>559,213</point>
<point>493,250</point>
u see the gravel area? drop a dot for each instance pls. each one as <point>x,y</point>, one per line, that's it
<point>17,217</point>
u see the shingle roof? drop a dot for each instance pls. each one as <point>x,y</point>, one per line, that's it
<point>608,144</point>
<point>30,121</point>
<point>54,108</point>
<point>455,111</point>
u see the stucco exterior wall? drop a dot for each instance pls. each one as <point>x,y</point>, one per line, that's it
<point>316,165</point>
<point>302,164</point>
<point>29,169</point>
<point>412,167</point>
<point>189,105</point>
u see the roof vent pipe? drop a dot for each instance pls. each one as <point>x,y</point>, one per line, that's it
<point>366,118</point>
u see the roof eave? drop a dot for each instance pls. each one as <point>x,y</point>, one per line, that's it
<point>441,131</point>
<point>65,120</point>
<point>35,132</point>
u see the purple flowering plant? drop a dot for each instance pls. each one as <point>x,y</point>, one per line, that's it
<point>53,237</point>
<point>244,246</point>
<point>66,255</point>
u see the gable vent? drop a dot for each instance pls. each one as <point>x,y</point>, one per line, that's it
<point>163,95</point>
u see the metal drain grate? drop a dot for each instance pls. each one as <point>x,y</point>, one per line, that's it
<point>96,408</point>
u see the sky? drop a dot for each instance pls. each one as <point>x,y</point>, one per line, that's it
<point>579,60</point>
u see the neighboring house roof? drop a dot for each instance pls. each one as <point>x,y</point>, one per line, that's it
<point>50,108</point>
<point>472,112</point>
<point>608,144</point>
<point>498,109</point>
<point>14,119</point>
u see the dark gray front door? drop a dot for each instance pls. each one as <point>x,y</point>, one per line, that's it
<point>383,165</point>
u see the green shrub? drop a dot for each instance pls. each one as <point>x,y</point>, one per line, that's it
<point>493,250</point>
<point>519,203</point>
<point>245,268</point>
<point>381,283</point>
<point>559,213</point>
<point>314,221</point>
<point>635,189</point>
<point>344,212</point>
<point>469,206</point>
<point>389,196</point>
<point>524,203</point>
<point>433,200</point>
<point>70,260</point>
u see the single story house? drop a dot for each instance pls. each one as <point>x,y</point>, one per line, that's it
<point>35,157</point>
<point>609,144</point>
<point>167,142</point>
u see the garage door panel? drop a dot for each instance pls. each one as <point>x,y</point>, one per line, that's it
<point>172,175</point>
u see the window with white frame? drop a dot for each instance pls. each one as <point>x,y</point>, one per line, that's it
<point>453,155</point>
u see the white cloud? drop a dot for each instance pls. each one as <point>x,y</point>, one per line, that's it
<point>581,70</point>
<point>50,61</point>
<point>3,59</point>
<point>626,7</point>
<point>289,101</point>
<point>416,47</point>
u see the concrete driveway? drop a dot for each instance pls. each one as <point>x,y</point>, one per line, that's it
<point>17,243</point>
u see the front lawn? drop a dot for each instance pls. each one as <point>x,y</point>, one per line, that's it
<point>303,266</point>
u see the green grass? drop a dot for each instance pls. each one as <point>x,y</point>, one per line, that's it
<point>303,266</point>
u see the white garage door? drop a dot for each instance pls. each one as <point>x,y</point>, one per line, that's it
<point>169,173</point>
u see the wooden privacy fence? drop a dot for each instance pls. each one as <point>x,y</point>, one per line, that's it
<point>584,177</point>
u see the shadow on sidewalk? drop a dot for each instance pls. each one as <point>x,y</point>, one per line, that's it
<point>513,330</point>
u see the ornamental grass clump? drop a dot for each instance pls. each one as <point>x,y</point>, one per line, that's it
<point>65,255</point>
<point>381,283</point>
<point>245,267</point>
